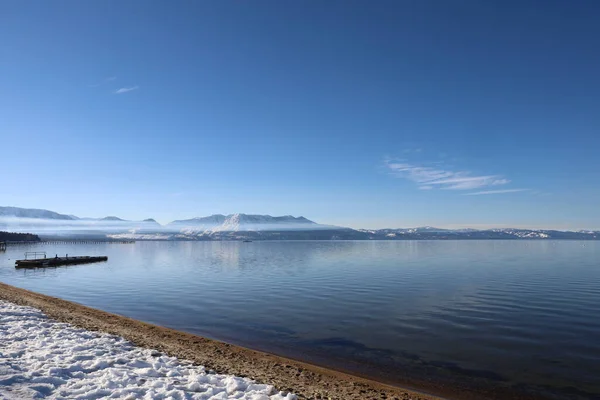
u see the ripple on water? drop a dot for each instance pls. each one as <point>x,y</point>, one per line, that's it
<point>525,313</point>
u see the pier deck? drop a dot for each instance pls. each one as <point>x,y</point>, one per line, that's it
<point>57,261</point>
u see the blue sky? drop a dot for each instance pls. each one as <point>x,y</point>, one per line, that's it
<point>364,114</point>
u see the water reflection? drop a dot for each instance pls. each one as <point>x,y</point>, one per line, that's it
<point>519,314</point>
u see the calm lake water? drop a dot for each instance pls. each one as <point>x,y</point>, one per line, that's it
<point>520,316</point>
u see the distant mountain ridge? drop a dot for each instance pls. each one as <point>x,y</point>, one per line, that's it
<point>33,213</point>
<point>111,218</point>
<point>249,226</point>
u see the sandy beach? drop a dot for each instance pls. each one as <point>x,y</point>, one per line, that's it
<point>41,357</point>
<point>288,376</point>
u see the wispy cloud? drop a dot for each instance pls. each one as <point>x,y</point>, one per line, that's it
<point>437,178</point>
<point>484,192</point>
<point>126,89</point>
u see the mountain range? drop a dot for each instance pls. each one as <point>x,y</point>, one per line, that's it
<point>33,213</point>
<point>49,224</point>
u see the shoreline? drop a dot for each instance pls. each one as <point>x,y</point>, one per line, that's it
<point>306,380</point>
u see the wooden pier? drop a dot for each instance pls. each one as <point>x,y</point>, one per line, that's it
<point>55,261</point>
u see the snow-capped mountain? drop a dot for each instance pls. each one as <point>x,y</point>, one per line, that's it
<point>245,226</point>
<point>199,223</point>
<point>242,222</point>
<point>245,222</point>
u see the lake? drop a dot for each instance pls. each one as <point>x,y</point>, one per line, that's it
<point>522,317</point>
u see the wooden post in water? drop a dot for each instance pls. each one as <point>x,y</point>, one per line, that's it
<point>2,246</point>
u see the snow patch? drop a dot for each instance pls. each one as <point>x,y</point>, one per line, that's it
<point>40,358</point>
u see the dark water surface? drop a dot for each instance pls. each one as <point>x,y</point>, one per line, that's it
<point>521,316</point>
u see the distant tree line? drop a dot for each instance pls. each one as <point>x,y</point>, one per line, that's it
<point>18,237</point>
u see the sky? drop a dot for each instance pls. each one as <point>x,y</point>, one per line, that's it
<point>383,114</point>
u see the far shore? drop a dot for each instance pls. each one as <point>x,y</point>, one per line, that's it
<point>306,380</point>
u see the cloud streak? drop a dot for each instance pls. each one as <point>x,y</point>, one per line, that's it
<point>484,192</point>
<point>126,89</point>
<point>429,178</point>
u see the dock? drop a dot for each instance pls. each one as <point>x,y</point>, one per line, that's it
<point>55,261</point>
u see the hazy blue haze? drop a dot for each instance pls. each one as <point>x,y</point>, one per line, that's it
<point>155,109</point>
<point>491,313</point>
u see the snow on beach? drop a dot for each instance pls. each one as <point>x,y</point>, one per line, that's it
<point>40,357</point>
